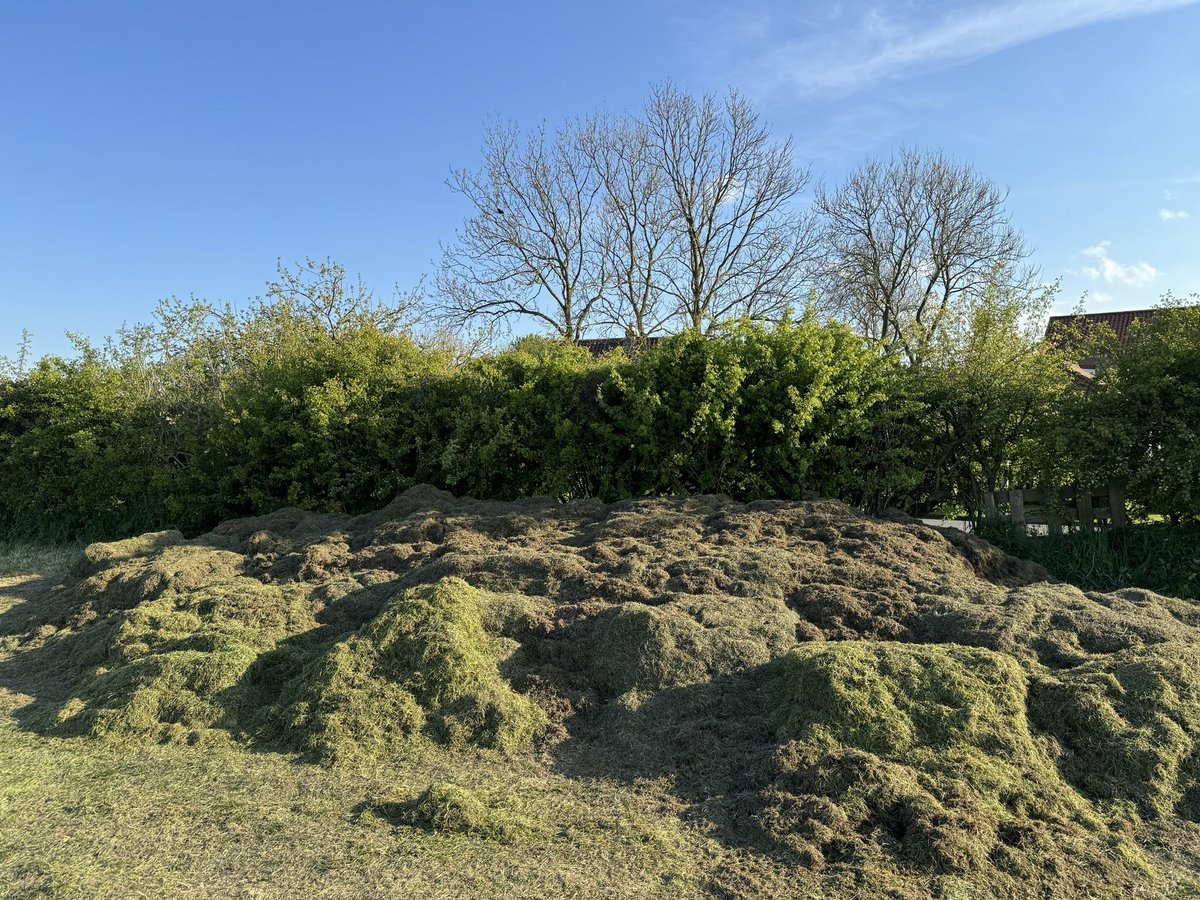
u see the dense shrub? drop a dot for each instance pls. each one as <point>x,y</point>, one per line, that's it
<point>76,458</point>
<point>524,422</point>
<point>989,393</point>
<point>206,415</point>
<point>752,412</point>
<point>1140,422</point>
<point>310,420</point>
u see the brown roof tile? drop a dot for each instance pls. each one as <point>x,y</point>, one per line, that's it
<point>603,346</point>
<point>1060,327</point>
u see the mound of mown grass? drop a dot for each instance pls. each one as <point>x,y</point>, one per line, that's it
<point>423,664</point>
<point>178,666</point>
<point>922,749</point>
<point>854,705</point>
<point>448,808</point>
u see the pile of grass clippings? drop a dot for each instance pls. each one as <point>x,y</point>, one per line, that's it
<point>852,705</point>
<point>446,808</point>
<point>423,664</point>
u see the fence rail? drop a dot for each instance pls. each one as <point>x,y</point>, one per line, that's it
<point>1090,508</point>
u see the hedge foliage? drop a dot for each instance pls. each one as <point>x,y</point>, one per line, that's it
<point>1140,421</point>
<point>279,410</point>
<point>205,416</point>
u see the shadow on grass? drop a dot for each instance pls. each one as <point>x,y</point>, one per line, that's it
<point>34,660</point>
<point>710,744</point>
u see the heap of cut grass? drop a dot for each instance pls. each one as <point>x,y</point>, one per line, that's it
<point>447,808</point>
<point>171,668</point>
<point>875,701</point>
<point>142,571</point>
<point>176,667</point>
<point>690,640</point>
<point>425,664</point>
<point>922,751</point>
<point>100,556</point>
<point>1129,726</point>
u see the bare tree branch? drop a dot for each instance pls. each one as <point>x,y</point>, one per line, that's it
<point>532,248</point>
<point>743,249</point>
<point>909,241</point>
<point>636,218</point>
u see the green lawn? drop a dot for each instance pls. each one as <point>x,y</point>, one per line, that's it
<point>112,817</point>
<point>85,818</point>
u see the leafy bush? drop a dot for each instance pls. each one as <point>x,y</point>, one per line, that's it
<point>1140,424</point>
<point>521,423</point>
<point>752,412</point>
<point>208,415</point>
<point>989,391</point>
<point>75,458</point>
<point>309,420</point>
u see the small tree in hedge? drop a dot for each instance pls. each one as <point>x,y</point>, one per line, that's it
<point>992,389</point>
<point>1141,422</point>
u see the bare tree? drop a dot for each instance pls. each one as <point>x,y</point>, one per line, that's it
<point>531,249</point>
<point>743,246</point>
<point>636,217</point>
<point>909,241</point>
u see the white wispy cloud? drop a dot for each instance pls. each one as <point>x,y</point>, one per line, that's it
<point>1106,268</point>
<point>1171,215</point>
<point>895,37</point>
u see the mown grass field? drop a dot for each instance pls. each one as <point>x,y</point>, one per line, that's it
<point>85,818</point>
<point>773,700</point>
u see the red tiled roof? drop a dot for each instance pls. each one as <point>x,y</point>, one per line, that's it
<point>1079,372</point>
<point>1120,322</point>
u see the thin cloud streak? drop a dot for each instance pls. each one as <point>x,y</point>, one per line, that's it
<point>1136,275</point>
<point>880,46</point>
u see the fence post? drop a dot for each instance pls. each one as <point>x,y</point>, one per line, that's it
<point>1051,509</point>
<point>1116,505</point>
<point>1016,505</point>
<point>1083,503</point>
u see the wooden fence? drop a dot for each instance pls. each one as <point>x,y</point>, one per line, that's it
<point>1090,508</point>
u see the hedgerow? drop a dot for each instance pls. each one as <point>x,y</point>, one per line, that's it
<point>276,411</point>
<point>207,415</point>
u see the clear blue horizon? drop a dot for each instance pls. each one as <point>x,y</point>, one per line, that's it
<point>173,149</point>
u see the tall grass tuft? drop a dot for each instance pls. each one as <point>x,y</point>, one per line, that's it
<point>22,558</point>
<point>1160,557</point>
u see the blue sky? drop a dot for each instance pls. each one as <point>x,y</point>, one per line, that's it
<point>152,148</point>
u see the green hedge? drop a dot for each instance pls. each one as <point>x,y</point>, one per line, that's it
<point>287,413</point>
<point>205,416</point>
